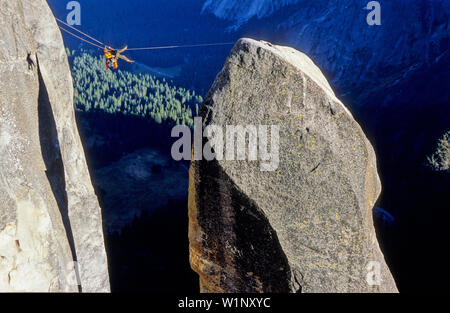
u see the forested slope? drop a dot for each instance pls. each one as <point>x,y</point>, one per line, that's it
<point>100,89</point>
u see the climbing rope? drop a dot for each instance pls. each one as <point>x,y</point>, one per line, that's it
<point>91,43</point>
<point>183,46</point>
<point>135,49</point>
<point>92,38</point>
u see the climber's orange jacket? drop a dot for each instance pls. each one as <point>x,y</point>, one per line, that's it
<point>112,55</point>
<point>108,53</point>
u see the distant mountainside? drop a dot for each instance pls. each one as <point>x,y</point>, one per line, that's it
<point>241,11</point>
<point>337,37</point>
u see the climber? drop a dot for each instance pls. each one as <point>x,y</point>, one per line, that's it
<point>112,55</point>
<point>30,61</point>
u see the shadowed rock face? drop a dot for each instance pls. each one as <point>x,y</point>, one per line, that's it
<point>49,213</point>
<point>305,227</point>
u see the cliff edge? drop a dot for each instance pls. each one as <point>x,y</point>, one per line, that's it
<point>49,213</point>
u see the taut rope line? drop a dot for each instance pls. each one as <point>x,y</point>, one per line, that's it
<point>136,49</point>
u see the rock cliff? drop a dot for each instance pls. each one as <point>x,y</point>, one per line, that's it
<point>49,213</point>
<point>306,226</point>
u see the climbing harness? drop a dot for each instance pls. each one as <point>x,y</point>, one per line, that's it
<point>112,55</point>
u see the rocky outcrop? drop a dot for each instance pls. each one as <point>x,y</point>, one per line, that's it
<point>305,226</point>
<point>49,213</point>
